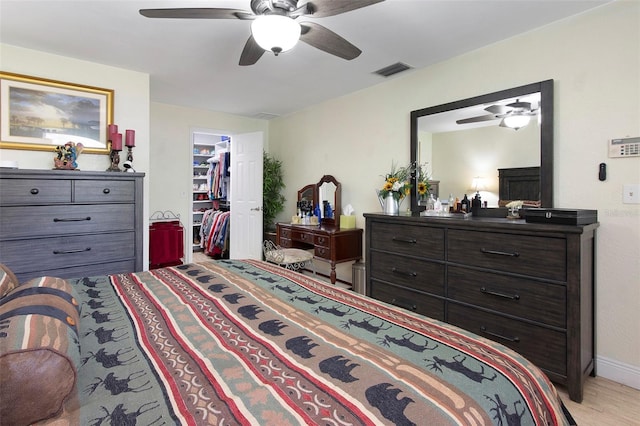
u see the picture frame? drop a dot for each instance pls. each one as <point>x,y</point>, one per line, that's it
<point>40,114</point>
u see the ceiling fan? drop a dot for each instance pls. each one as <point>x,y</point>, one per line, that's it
<point>514,115</point>
<point>281,15</point>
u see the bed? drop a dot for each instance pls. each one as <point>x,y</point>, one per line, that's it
<point>519,184</point>
<point>247,342</point>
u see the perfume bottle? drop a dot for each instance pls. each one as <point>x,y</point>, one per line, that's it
<point>465,205</point>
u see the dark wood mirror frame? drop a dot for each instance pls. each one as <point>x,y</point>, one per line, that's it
<point>546,135</point>
<point>337,208</point>
<point>310,193</point>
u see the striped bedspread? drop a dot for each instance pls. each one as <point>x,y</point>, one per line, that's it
<point>246,342</point>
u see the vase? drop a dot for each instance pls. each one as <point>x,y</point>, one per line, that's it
<point>391,205</point>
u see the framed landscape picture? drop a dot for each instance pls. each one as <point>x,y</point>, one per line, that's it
<point>40,114</point>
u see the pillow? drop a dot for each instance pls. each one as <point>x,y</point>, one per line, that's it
<point>39,350</point>
<point>50,285</point>
<point>8,280</point>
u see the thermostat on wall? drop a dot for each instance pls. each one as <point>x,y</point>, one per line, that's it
<point>625,147</point>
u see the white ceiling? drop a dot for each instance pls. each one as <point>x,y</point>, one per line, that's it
<point>194,62</point>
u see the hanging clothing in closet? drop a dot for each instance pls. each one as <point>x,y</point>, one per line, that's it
<point>214,233</point>
<point>218,171</point>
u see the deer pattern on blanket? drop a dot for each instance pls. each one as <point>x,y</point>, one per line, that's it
<point>246,342</point>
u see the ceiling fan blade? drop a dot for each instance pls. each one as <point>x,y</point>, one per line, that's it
<point>196,13</point>
<point>497,109</point>
<point>251,52</point>
<point>477,119</point>
<point>328,41</point>
<point>323,8</point>
<point>520,105</point>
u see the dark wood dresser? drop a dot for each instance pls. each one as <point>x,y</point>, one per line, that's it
<point>329,243</point>
<point>528,286</point>
<point>70,223</point>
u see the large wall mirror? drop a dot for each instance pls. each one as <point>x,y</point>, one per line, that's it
<point>471,146</point>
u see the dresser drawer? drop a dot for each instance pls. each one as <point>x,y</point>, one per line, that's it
<point>104,191</point>
<point>543,257</point>
<point>322,252</point>
<point>408,239</point>
<point>544,347</point>
<point>35,221</point>
<point>302,236</point>
<point>419,303</point>
<point>66,251</point>
<point>118,267</point>
<point>285,233</point>
<point>533,300</point>
<point>407,272</point>
<point>321,240</point>
<point>34,191</point>
<point>285,242</point>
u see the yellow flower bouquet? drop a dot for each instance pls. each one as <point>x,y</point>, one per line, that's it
<point>396,182</point>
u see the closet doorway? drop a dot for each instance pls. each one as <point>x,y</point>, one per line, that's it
<point>227,186</point>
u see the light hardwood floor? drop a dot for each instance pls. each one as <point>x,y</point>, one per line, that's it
<point>605,403</point>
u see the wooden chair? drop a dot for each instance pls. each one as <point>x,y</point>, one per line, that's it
<point>289,258</point>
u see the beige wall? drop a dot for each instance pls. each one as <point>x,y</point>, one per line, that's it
<point>594,60</point>
<point>170,158</point>
<point>131,107</point>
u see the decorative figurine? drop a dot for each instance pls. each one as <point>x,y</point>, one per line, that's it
<point>67,155</point>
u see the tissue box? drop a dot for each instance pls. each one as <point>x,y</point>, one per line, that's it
<point>347,222</point>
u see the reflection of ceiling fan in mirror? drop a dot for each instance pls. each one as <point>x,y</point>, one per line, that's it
<point>274,27</point>
<point>514,115</point>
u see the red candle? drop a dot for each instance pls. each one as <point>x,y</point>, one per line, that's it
<point>130,139</point>
<point>116,142</point>
<point>111,129</point>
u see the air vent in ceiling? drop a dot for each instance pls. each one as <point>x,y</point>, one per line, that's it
<point>265,116</point>
<point>392,69</point>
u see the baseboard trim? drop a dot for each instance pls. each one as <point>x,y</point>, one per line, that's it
<point>628,375</point>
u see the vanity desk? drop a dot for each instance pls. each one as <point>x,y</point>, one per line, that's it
<point>330,244</point>
<point>529,286</point>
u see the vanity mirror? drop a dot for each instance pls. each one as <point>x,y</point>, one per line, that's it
<point>485,142</point>
<point>308,194</point>
<point>326,194</point>
<point>329,192</point>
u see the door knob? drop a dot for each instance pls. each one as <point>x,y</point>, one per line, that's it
<point>256,209</point>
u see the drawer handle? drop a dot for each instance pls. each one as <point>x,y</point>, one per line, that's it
<point>71,251</point>
<point>106,191</point>
<point>406,306</point>
<point>500,253</point>
<point>71,219</point>
<point>405,240</point>
<point>499,336</point>
<point>34,191</point>
<point>497,293</point>
<point>399,272</point>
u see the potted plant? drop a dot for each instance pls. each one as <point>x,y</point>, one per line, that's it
<point>272,199</point>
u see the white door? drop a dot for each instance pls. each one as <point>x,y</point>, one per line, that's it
<point>245,233</point>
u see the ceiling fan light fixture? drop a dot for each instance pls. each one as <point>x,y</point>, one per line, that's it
<point>275,33</point>
<point>516,121</point>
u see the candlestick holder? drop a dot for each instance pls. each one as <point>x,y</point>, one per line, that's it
<point>128,165</point>
<point>115,161</point>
